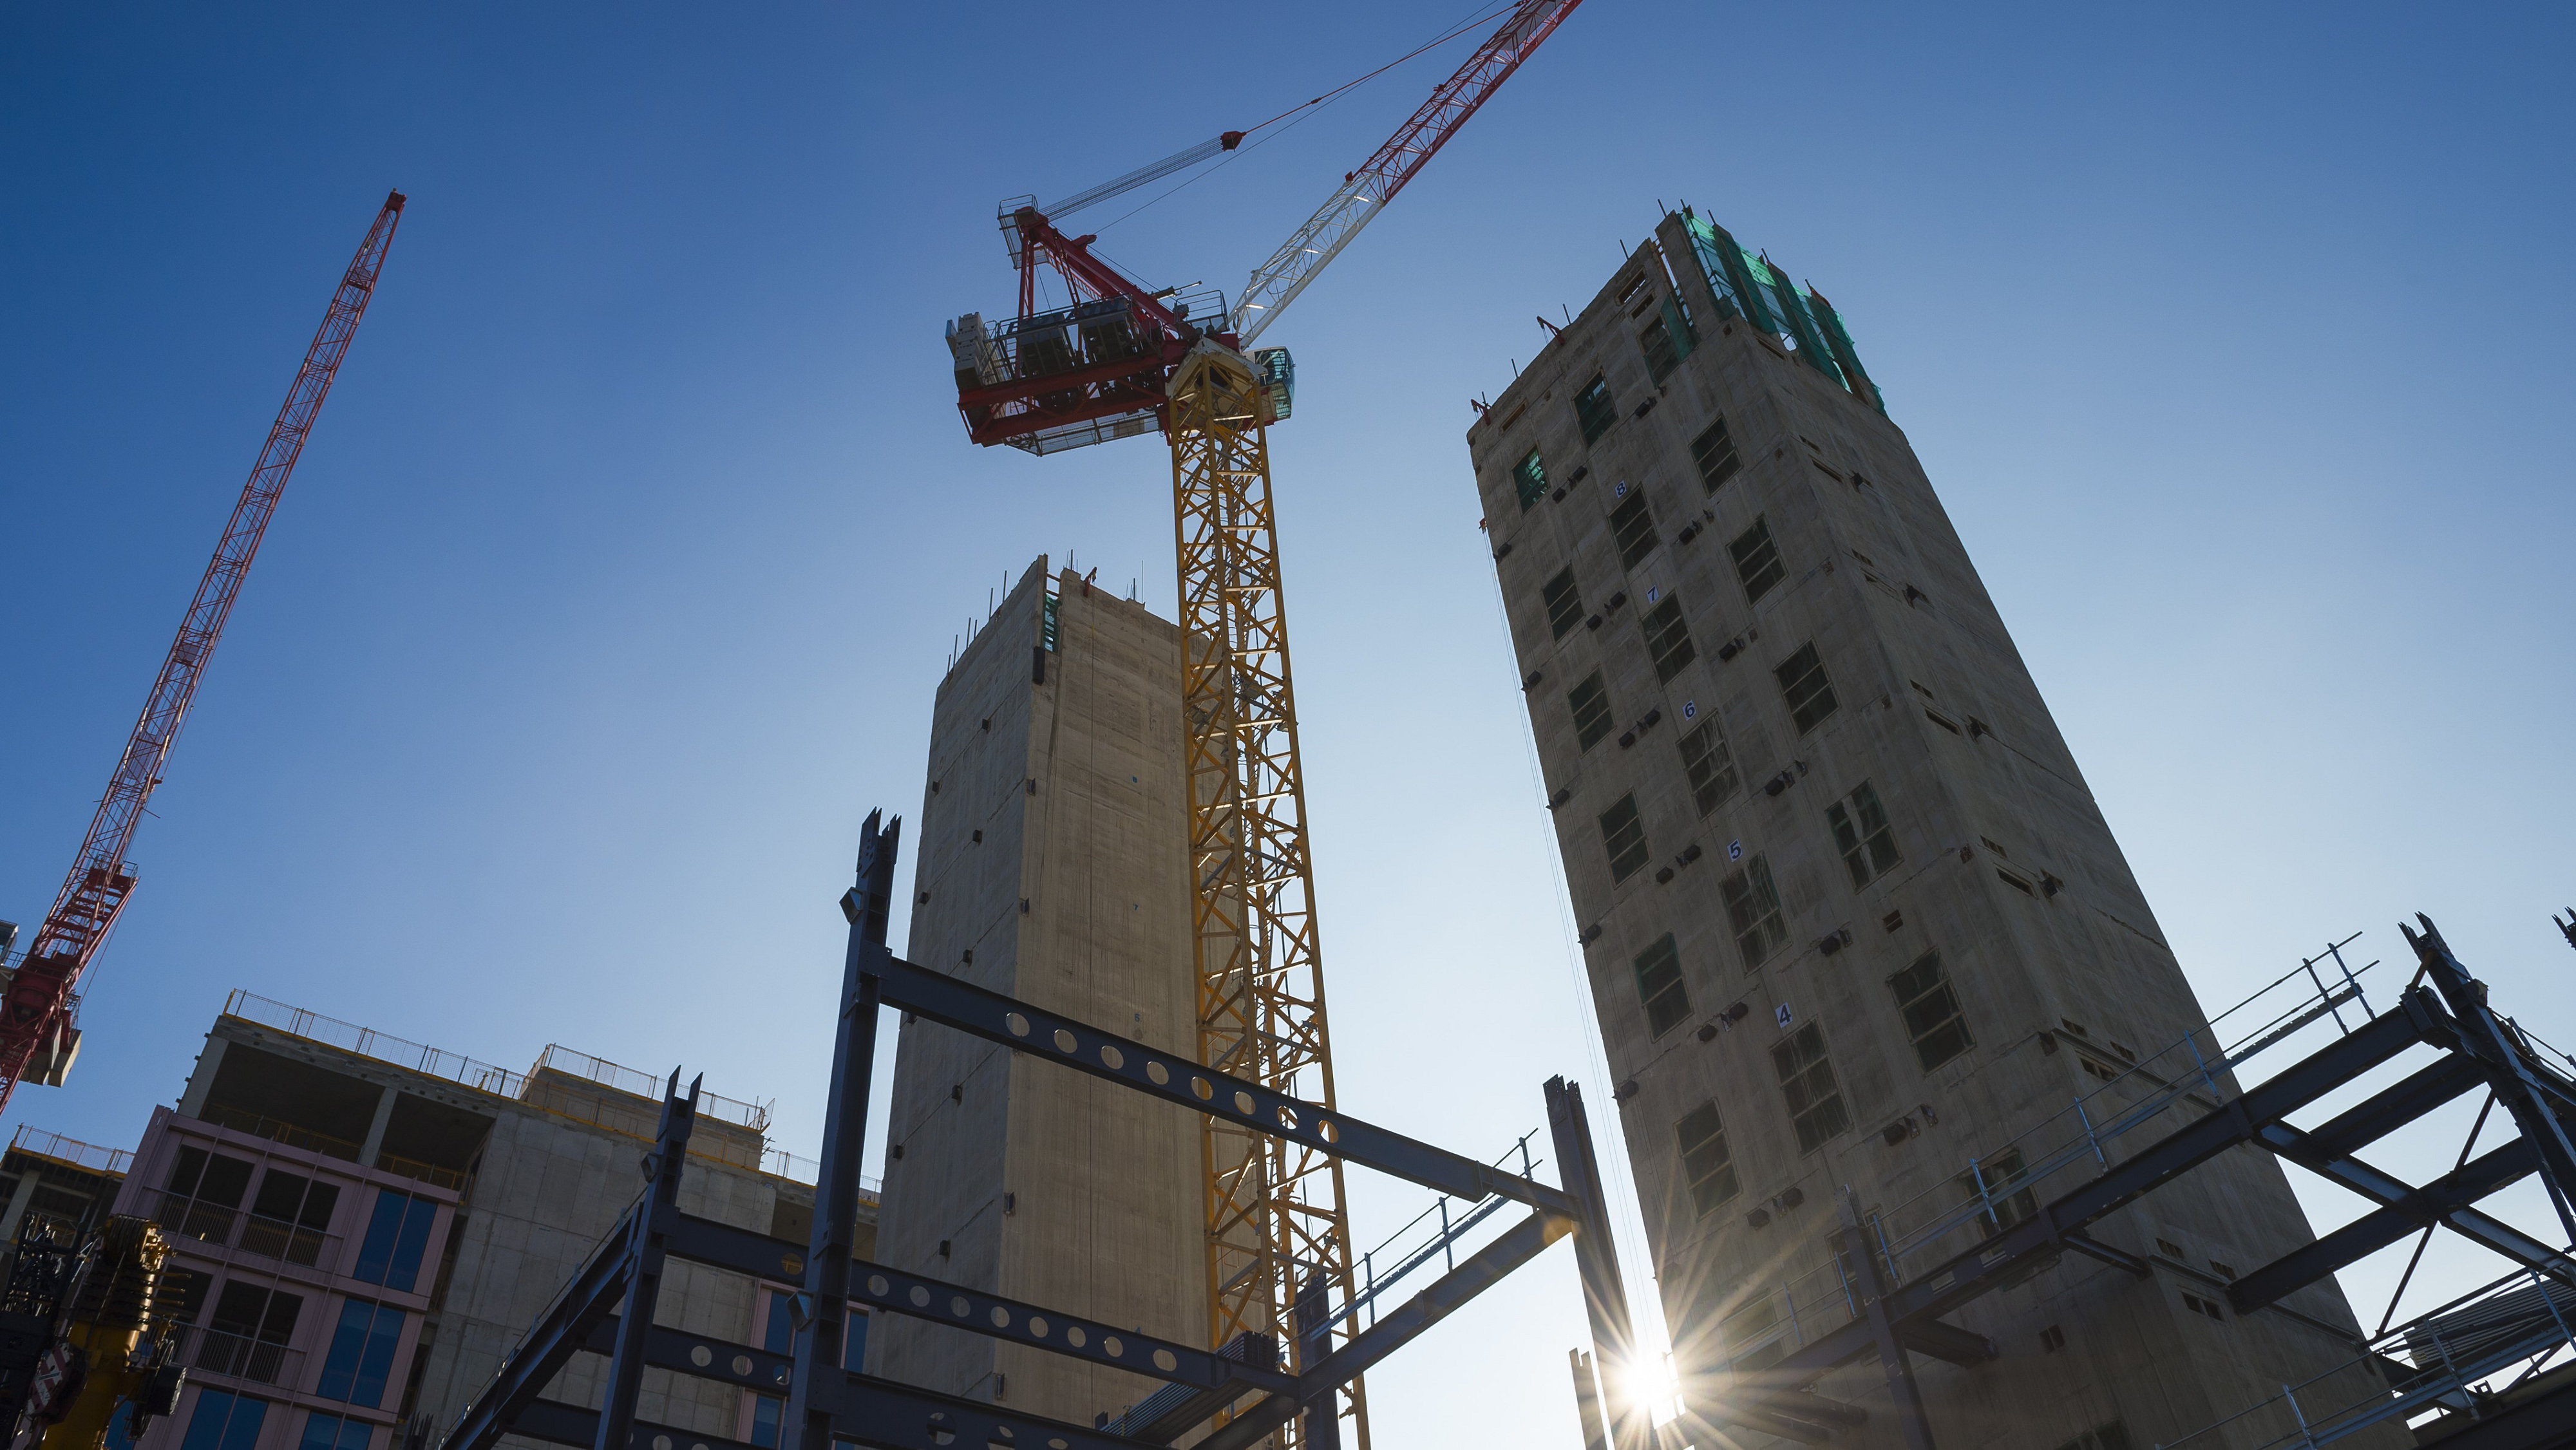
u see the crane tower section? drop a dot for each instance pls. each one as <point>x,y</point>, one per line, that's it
<point>38,1031</point>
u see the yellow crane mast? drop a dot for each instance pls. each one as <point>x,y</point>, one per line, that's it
<point>1121,360</point>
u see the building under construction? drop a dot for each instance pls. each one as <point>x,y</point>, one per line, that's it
<point>1865,956</point>
<point>361,1227</point>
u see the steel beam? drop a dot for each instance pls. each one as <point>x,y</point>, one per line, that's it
<point>2387,1188</point>
<point>646,1257</point>
<point>563,1330</point>
<point>2392,1108</point>
<point>813,1414</point>
<point>1987,1266</point>
<point>2376,1230</point>
<point>1483,1269</point>
<point>1057,1038</point>
<point>880,1288</point>
<point>1596,1263</point>
<point>1946,1342</point>
<point>882,1414</point>
<point>2535,1098</point>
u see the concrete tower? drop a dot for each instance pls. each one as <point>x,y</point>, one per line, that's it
<point>1053,867</point>
<point>1850,914</point>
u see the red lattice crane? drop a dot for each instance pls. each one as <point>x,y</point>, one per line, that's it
<point>39,1035</point>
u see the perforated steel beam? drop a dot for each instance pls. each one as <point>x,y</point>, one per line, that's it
<point>1084,1048</point>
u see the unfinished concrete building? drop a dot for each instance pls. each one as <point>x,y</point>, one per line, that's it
<point>1850,914</point>
<point>362,1227</point>
<point>1053,851</point>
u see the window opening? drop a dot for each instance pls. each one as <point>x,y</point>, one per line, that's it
<point>1862,834</point>
<point>1594,409</point>
<point>1753,910</point>
<point>223,1420</point>
<point>1706,1164</point>
<point>1930,1009</point>
<point>1590,702</point>
<point>247,1335</point>
<point>1757,560</point>
<point>362,1353</point>
<point>1809,693</point>
<point>1624,836</point>
<point>1660,987</point>
<point>1530,476</point>
<point>1714,453</point>
<point>1709,764</point>
<point>324,1431</point>
<point>1807,1083</point>
<point>1633,528</point>
<point>397,1238</point>
<point>1564,602</point>
<point>1668,640</point>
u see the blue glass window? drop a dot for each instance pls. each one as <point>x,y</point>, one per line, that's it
<point>779,1336</point>
<point>397,1237</point>
<point>224,1421</point>
<point>362,1354</point>
<point>765,1414</point>
<point>331,1432</point>
<point>854,1345</point>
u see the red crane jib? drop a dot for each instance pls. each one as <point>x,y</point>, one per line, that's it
<point>42,994</point>
<point>1053,381</point>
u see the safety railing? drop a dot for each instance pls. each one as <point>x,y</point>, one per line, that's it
<point>1434,1233</point>
<point>242,1120</point>
<point>2523,1319</point>
<point>562,1059</point>
<point>238,1357</point>
<point>87,1157</point>
<point>795,1168</point>
<point>223,1227</point>
<point>368,1042</point>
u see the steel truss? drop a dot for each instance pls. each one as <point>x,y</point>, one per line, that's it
<point>608,1306</point>
<point>1896,1313</point>
<point>1275,1217</point>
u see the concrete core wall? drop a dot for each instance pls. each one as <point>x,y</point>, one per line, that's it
<point>1053,868</point>
<point>1720,519</point>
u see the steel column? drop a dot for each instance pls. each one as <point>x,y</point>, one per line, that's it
<point>813,1406</point>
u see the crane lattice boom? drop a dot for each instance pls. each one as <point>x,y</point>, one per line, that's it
<point>1119,360</point>
<point>1277,282</point>
<point>36,1015</point>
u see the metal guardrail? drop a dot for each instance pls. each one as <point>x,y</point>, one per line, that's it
<point>368,1042</point>
<point>562,1059</point>
<point>2524,1317</point>
<point>1994,1189</point>
<point>249,1233</point>
<point>88,1157</point>
<point>238,1357</point>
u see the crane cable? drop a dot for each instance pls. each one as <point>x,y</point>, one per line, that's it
<point>1455,31</point>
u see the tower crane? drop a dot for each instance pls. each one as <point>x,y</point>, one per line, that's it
<point>40,1009</point>
<point>1121,360</point>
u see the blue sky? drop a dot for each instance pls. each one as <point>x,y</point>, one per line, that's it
<point>613,586</point>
